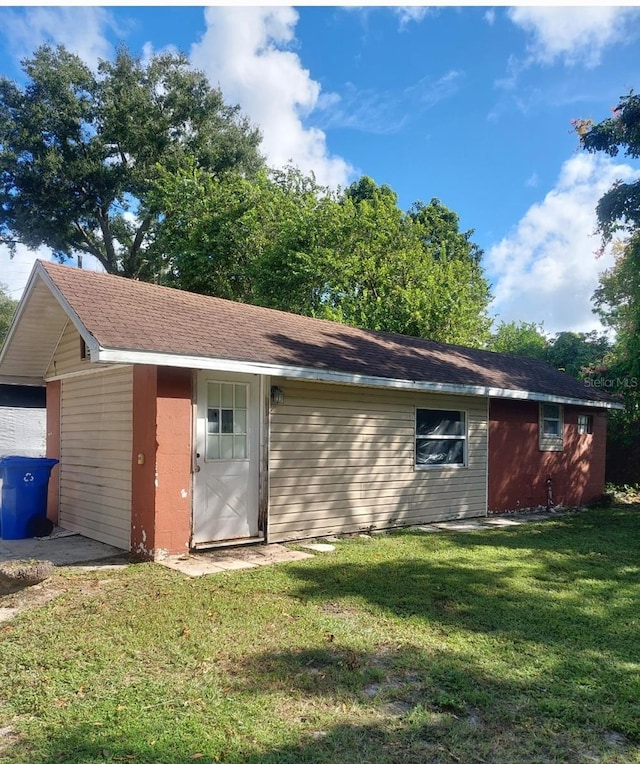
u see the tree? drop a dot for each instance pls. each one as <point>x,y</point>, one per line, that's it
<point>282,241</point>
<point>520,338</point>
<point>619,208</point>
<point>80,151</point>
<point>7,309</point>
<point>576,352</point>
<point>414,273</point>
<point>617,298</point>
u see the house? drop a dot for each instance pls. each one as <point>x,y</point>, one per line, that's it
<point>183,421</point>
<point>22,419</point>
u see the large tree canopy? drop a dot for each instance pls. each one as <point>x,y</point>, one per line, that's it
<point>520,338</point>
<point>283,241</point>
<point>80,151</point>
<point>617,298</point>
<point>619,208</point>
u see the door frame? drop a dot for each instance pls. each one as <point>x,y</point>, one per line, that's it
<point>260,441</point>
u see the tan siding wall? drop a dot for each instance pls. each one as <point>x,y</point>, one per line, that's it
<point>95,455</point>
<point>66,358</point>
<point>342,460</point>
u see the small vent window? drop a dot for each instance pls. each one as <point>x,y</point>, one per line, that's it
<point>550,437</point>
<point>585,424</point>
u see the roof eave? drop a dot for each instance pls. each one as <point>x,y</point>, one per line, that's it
<point>114,355</point>
<point>89,339</point>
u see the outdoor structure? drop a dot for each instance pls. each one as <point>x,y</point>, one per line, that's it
<point>183,421</point>
<point>22,419</point>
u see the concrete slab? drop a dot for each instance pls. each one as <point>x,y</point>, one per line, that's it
<point>319,547</point>
<point>214,561</point>
<point>61,548</point>
<point>484,523</point>
<point>462,525</point>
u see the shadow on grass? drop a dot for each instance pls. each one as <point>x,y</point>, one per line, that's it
<point>411,742</point>
<point>573,583</point>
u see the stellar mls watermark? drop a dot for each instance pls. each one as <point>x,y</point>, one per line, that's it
<point>613,383</point>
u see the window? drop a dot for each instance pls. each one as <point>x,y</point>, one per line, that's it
<point>585,424</point>
<point>226,421</point>
<point>550,427</point>
<point>84,350</point>
<point>441,438</point>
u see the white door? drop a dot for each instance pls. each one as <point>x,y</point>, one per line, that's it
<point>225,490</point>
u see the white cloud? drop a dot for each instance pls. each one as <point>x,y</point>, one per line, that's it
<point>15,271</point>
<point>577,35</point>
<point>82,30</point>
<point>546,270</point>
<point>247,52</point>
<point>412,13</point>
<point>490,16</point>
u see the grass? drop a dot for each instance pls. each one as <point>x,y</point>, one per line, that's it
<point>509,646</point>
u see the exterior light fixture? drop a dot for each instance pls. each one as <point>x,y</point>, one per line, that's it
<point>277,395</point>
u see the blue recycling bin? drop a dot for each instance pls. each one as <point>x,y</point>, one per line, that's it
<point>23,501</point>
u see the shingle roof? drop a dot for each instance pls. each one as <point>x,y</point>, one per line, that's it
<point>131,315</point>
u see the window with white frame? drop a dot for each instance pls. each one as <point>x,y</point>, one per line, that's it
<point>585,424</point>
<point>441,438</point>
<point>550,427</point>
<point>226,421</point>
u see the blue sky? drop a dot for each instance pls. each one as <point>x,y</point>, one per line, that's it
<point>472,105</point>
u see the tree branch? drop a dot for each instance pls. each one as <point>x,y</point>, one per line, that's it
<point>137,242</point>
<point>111,258</point>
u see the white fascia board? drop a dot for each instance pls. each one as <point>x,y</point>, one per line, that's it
<point>335,377</point>
<point>88,338</point>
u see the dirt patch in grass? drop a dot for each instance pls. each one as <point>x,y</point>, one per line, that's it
<point>68,581</point>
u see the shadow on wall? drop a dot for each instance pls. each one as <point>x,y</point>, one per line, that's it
<point>518,469</point>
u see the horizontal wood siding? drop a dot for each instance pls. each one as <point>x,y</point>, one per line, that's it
<point>95,455</point>
<point>67,357</point>
<point>342,459</point>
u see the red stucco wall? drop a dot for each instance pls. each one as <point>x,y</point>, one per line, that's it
<point>173,460</point>
<point>53,448</point>
<point>161,461</point>
<point>518,470</point>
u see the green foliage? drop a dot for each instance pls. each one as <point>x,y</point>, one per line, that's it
<point>617,298</point>
<point>282,241</point>
<point>80,151</point>
<point>619,208</point>
<point>576,352</point>
<point>520,338</point>
<point>617,301</point>
<point>7,309</point>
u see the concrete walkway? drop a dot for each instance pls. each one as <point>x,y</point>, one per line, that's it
<point>492,521</point>
<point>238,558</point>
<point>66,548</point>
<point>62,548</point>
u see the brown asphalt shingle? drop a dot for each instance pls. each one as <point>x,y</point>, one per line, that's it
<point>131,315</point>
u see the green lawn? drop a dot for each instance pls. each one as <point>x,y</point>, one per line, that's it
<point>508,646</point>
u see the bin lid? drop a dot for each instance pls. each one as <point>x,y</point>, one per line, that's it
<point>27,462</point>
